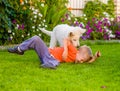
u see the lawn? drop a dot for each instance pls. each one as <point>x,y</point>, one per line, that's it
<point>23,73</point>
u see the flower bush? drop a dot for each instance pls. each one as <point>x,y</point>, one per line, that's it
<point>98,29</point>
<point>115,26</point>
<point>47,14</point>
<point>21,19</point>
<point>97,19</point>
<point>6,11</point>
<point>25,19</point>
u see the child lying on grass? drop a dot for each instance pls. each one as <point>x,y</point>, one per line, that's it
<point>50,58</point>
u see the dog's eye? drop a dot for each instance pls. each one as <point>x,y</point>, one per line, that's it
<point>74,40</point>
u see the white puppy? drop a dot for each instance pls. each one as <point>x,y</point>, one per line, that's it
<point>63,31</point>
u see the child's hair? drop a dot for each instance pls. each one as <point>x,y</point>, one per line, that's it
<point>90,57</point>
<point>89,52</point>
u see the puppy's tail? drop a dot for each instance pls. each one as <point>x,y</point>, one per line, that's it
<point>97,54</point>
<point>46,31</point>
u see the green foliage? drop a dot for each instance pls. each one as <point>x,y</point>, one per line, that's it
<point>23,73</point>
<point>97,18</point>
<point>5,20</point>
<point>20,20</point>
<point>95,9</point>
<point>48,14</point>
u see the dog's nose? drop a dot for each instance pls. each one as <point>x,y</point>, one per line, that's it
<point>78,46</point>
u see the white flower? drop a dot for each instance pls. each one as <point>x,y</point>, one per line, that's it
<point>110,32</point>
<point>11,37</point>
<point>75,19</point>
<point>40,14</point>
<point>84,15</point>
<point>28,34</point>
<point>17,25</point>
<point>112,36</point>
<point>42,5</point>
<point>69,18</point>
<point>33,27</point>
<point>35,16</point>
<point>9,31</point>
<point>25,1</point>
<point>39,25</point>
<point>22,3</point>
<point>22,36</point>
<point>112,19</point>
<point>44,20</point>
<point>109,22</point>
<point>105,13</point>
<point>32,8</point>
<point>35,12</point>
<point>34,20</point>
<point>105,28</point>
<point>39,34</point>
<point>85,18</point>
<point>13,33</point>
<point>45,25</point>
<point>37,30</point>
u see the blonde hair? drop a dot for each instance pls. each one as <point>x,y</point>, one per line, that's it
<point>90,58</point>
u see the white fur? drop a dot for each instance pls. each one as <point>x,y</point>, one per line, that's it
<point>62,31</point>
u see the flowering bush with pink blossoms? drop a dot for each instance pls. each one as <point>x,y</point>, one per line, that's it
<point>98,29</point>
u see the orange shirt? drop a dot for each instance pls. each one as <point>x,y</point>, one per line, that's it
<point>58,51</point>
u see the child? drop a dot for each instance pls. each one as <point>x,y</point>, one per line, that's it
<point>50,58</point>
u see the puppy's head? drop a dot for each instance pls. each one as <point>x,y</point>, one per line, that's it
<point>75,35</point>
<point>74,38</point>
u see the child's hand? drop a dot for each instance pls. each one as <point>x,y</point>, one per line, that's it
<point>64,55</point>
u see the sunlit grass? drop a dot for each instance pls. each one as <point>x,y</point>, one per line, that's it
<point>23,73</point>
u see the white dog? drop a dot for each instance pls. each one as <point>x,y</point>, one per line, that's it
<point>63,31</point>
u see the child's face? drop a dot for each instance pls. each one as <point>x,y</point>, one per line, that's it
<point>82,55</point>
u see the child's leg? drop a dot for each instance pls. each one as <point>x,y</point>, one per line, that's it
<point>39,46</point>
<point>34,43</point>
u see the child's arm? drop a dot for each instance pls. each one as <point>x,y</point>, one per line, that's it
<point>97,54</point>
<point>65,52</point>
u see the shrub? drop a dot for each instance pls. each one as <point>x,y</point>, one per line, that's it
<point>97,19</point>
<point>47,14</point>
<point>115,26</point>
<point>96,8</point>
<point>21,19</point>
<point>7,11</point>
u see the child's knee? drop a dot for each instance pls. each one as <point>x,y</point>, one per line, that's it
<point>36,38</point>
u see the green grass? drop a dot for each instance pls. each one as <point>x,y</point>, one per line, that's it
<point>23,73</point>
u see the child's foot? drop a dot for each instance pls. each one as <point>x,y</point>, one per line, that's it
<point>15,50</point>
<point>98,54</point>
<point>48,66</point>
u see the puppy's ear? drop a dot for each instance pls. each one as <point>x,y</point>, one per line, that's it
<point>71,34</point>
<point>83,31</point>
